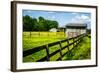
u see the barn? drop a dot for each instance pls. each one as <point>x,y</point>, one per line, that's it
<point>74,29</point>
<point>53,30</point>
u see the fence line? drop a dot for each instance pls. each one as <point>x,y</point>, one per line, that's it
<point>29,34</point>
<point>76,41</point>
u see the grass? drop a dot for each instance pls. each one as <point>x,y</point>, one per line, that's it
<point>38,39</point>
<point>34,41</point>
<point>80,52</point>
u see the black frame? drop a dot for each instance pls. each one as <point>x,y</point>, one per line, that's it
<point>14,34</point>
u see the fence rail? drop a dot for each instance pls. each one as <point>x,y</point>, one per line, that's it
<point>75,42</point>
<point>41,34</point>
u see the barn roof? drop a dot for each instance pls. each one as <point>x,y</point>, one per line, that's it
<point>61,27</point>
<point>77,25</point>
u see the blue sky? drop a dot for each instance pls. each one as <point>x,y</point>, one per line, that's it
<point>62,17</point>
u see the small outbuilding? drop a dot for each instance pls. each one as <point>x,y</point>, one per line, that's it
<point>74,29</point>
<point>53,30</point>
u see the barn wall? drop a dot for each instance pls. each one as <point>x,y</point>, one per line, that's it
<point>83,31</point>
<point>74,32</point>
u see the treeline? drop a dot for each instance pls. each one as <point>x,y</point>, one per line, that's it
<point>38,24</point>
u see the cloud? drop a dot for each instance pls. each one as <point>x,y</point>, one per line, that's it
<point>50,12</point>
<point>85,17</point>
<point>51,17</point>
<point>81,19</point>
<point>74,13</point>
<point>29,11</point>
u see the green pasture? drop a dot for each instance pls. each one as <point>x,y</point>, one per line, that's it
<point>33,40</point>
<point>40,38</point>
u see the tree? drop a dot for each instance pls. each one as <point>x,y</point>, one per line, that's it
<point>46,25</point>
<point>41,23</point>
<point>27,23</point>
<point>89,31</point>
<point>51,24</point>
<point>54,24</point>
<point>35,23</point>
<point>32,24</point>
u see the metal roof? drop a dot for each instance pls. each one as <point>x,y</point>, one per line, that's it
<point>61,27</point>
<point>76,25</point>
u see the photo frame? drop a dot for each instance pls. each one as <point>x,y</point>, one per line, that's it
<point>23,14</point>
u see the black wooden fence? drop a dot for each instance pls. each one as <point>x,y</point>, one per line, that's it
<point>75,42</point>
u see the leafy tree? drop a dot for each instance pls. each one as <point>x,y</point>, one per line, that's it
<point>54,24</point>
<point>26,20</point>
<point>27,23</point>
<point>51,24</point>
<point>40,24</point>
<point>35,23</point>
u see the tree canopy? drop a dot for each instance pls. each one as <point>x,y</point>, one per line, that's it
<point>38,24</point>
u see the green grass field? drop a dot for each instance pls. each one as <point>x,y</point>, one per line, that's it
<point>38,39</point>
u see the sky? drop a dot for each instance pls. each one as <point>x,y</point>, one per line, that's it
<point>62,18</point>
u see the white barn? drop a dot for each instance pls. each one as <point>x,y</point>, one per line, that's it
<point>74,29</point>
<point>53,30</point>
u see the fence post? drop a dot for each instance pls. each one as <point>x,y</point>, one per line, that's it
<point>80,37</point>
<point>47,51</point>
<point>48,34</point>
<point>30,34</point>
<point>77,40</point>
<point>60,51</point>
<point>68,47</point>
<point>68,44</point>
<point>73,42</point>
<point>39,33</point>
